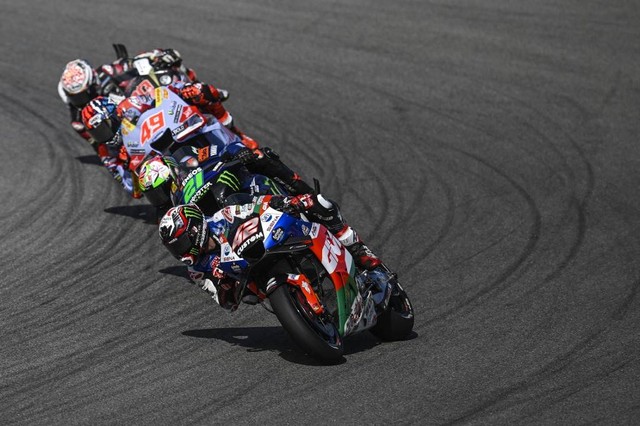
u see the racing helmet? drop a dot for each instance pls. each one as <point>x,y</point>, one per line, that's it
<point>101,120</point>
<point>158,176</point>
<point>78,82</point>
<point>184,232</point>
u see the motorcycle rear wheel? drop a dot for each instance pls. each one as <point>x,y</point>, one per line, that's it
<point>316,336</point>
<point>396,323</point>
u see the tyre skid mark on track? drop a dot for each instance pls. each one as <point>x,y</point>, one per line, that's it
<point>499,283</point>
<point>549,394</point>
<point>63,180</point>
<point>557,365</point>
<point>578,202</point>
<point>67,367</point>
<point>48,155</point>
<point>330,152</point>
<point>414,259</point>
<point>410,213</point>
<point>623,309</point>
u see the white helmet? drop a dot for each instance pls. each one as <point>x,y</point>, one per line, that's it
<point>77,82</point>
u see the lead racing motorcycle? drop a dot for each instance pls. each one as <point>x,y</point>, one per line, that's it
<point>309,278</point>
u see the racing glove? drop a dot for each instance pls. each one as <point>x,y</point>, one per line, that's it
<point>245,156</point>
<point>192,92</point>
<point>292,204</point>
<point>223,291</point>
<point>168,58</point>
<point>224,95</point>
<point>202,94</point>
<point>127,181</point>
<point>78,126</point>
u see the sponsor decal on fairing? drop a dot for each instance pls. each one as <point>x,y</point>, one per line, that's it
<point>331,251</point>
<point>315,228</point>
<point>269,219</point>
<point>200,193</point>
<point>172,108</point>
<point>176,118</point>
<point>356,314</point>
<point>227,254</point>
<point>278,233</point>
<point>247,243</point>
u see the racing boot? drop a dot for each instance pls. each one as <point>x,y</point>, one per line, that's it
<point>363,257</point>
<point>328,213</point>
<point>247,141</point>
<point>268,163</point>
<point>297,185</point>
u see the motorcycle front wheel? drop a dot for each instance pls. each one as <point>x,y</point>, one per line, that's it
<point>315,334</point>
<point>396,323</point>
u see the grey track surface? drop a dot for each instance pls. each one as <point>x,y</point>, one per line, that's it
<point>487,150</point>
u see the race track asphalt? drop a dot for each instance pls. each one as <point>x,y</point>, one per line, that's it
<point>487,150</point>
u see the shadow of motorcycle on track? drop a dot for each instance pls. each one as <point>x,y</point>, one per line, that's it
<point>275,339</point>
<point>93,160</point>
<point>144,212</point>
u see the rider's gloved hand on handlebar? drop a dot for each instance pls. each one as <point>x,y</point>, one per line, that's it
<point>224,94</point>
<point>292,204</point>
<point>168,58</point>
<point>192,92</point>
<point>245,156</point>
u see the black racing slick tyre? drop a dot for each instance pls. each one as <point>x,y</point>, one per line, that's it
<point>396,323</point>
<point>317,336</point>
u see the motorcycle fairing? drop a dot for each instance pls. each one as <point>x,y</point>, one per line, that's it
<point>183,121</point>
<point>339,264</point>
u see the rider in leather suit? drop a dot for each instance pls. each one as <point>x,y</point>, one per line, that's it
<point>193,238</point>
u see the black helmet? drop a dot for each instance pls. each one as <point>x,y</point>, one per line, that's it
<point>184,232</point>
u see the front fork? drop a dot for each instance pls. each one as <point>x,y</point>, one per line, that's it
<point>302,282</point>
<point>378,285</point>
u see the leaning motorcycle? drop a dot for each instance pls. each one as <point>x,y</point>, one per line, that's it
<point>165,182</point>
<point>171,127</point>
<point>209,184</point>
<point>309,278</point>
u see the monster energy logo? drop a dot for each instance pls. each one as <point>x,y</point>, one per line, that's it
<point>191,212</point>
<point>170,161</point>
<point>274,187</point>
<point>230,180</point>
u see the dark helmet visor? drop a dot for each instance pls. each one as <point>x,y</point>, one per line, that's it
<point>102,132</point>
<point>180,246</point>
<point>79,100</point>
